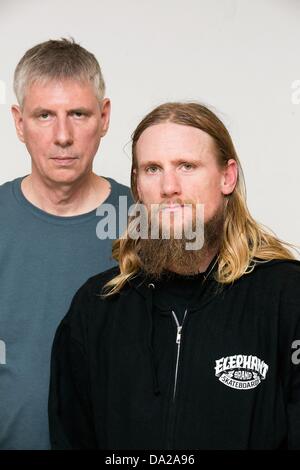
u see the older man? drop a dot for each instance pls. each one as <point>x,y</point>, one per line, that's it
<point>49,242</point>
<point>188,347</point>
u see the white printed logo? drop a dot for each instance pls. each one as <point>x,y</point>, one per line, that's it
<point>2,352</point>
<point>240,371</point>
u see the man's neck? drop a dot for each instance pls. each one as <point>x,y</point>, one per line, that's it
<point>66,199</point>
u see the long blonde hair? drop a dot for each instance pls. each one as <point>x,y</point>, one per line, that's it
<point>244,242</point>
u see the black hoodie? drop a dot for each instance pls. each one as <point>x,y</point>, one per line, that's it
<point>126,375</point>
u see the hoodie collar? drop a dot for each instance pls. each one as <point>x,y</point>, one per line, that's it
<point>144,283</point>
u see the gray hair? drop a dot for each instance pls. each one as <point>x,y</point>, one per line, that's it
<point>57,60</point>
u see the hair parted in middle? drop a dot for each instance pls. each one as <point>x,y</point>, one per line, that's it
<point>244,241</point>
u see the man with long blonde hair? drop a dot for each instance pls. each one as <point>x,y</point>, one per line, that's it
<point>181,346</point>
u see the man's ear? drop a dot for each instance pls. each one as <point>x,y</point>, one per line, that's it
<point>105,115</point>
<point>229,178</point>
<point>18,118</point>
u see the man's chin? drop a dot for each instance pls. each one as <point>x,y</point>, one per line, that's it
<point>186,253</point>
<point>63,176</point>
<point>158,256</point>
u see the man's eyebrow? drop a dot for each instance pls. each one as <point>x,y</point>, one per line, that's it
<point>40,110</point>
<point>187,159</point>
<point>80,109</point>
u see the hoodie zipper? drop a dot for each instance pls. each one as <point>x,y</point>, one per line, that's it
<point>172,408</point>
<point>178,342</point>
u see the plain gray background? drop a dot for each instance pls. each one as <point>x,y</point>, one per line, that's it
<point>241,57</point>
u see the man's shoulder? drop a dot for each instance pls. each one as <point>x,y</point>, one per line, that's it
<point>283,280</point>
<point>283,275</point>
<point>279,267</point>
<point>7,191</point>
<point>6,188</point>
<point>118,187</point>
<point>94,285</point>
<point>104,276</point>
<point>88,298</point>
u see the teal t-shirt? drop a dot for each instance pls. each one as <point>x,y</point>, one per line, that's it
<point>44,259</point>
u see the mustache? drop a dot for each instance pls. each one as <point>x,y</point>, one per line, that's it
<point>172,202</point>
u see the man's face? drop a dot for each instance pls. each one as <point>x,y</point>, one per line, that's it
<point>62,123</point>
<point>177,164</point>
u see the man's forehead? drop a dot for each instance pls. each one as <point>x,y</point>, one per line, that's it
<point>170,138</point>
<point>43,91</point>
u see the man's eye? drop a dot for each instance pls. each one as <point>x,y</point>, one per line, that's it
<point>151,169</point>
<point>78,114</point>
<point>44,116</point>
<point>187,166</point>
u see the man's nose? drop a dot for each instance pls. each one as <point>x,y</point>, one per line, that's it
<point>170,184</point>
<point>63,132</point>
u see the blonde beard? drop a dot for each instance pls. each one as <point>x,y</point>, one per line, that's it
<point>160,255</point>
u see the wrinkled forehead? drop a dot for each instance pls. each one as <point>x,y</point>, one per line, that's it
<point>44,83</point>
<point>45,92</point>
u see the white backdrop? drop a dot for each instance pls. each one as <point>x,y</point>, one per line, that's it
<point>240,56</point>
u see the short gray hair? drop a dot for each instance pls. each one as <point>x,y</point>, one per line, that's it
<point>57,60</point>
